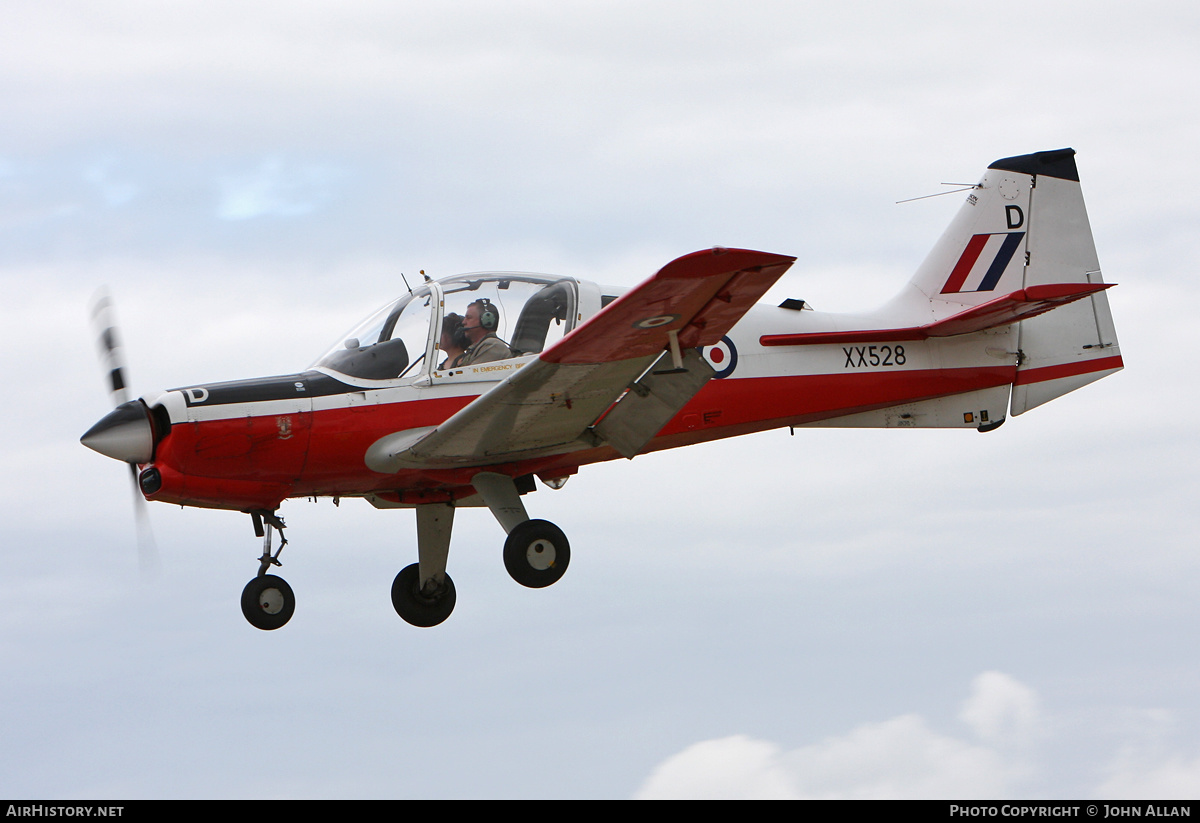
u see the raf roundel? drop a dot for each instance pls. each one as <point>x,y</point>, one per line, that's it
<point>722,357</point>
<point>656,321</point>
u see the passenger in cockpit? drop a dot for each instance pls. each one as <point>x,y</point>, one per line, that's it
<point>450,339</point>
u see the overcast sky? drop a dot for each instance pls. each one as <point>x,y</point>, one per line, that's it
<point>834,614</point>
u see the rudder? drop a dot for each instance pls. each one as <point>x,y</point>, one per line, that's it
<point>1075,344</point>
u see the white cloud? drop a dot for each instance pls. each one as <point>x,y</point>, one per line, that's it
<point>899,758</point>
<point>732,768</point>
<point>1000,709</point>
<point>903,758</point>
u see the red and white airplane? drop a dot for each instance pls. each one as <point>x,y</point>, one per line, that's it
<point>1007,312</point>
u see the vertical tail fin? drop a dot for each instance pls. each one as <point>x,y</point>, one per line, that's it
<point>1025,225</point>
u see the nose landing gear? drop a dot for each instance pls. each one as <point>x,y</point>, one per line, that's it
<point>267,601</point>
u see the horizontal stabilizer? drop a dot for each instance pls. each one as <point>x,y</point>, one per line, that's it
<point>1002,311</point>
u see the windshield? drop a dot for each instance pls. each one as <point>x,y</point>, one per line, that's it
<point>388,345</point>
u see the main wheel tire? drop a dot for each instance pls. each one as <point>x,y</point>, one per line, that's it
<point>268,602</point>
<point>536,553</point>
<point>419,608</point>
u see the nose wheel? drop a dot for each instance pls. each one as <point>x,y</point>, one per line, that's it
<point>268,602</point>
<point>536,553</point>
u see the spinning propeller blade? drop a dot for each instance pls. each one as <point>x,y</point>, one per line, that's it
<point>109,343</point>
<point>126,432</point>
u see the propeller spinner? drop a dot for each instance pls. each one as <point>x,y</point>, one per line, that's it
<point>125,434</point>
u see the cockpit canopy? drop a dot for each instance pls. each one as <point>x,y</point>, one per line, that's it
<point>402,340</point>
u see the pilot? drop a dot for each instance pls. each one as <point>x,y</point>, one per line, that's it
<point>450,339</point>
<point>479,331</point>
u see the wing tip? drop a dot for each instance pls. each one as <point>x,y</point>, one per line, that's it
<point>720,260</point>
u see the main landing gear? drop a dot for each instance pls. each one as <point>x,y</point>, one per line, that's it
<point>267,601</point>
<point>423,594</point>
<point>419,605</point>
<point>536,552</point>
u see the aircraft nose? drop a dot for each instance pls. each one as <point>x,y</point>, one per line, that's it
<point>124,434</point>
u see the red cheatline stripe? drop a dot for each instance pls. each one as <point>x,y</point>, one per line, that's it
<point>1026,376</point>
<point>963,267</point>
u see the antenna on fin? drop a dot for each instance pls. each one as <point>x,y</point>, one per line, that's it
<point>966,187</point>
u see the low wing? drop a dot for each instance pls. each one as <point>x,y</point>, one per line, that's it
<point>549,405</point>
<point>1003,311</point>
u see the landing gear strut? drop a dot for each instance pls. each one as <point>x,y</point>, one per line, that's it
<point>423,594</point>
<point>267,601</point>
<point>536,552</point>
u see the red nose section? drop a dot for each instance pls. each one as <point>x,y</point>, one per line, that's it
<point>123,434</point>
